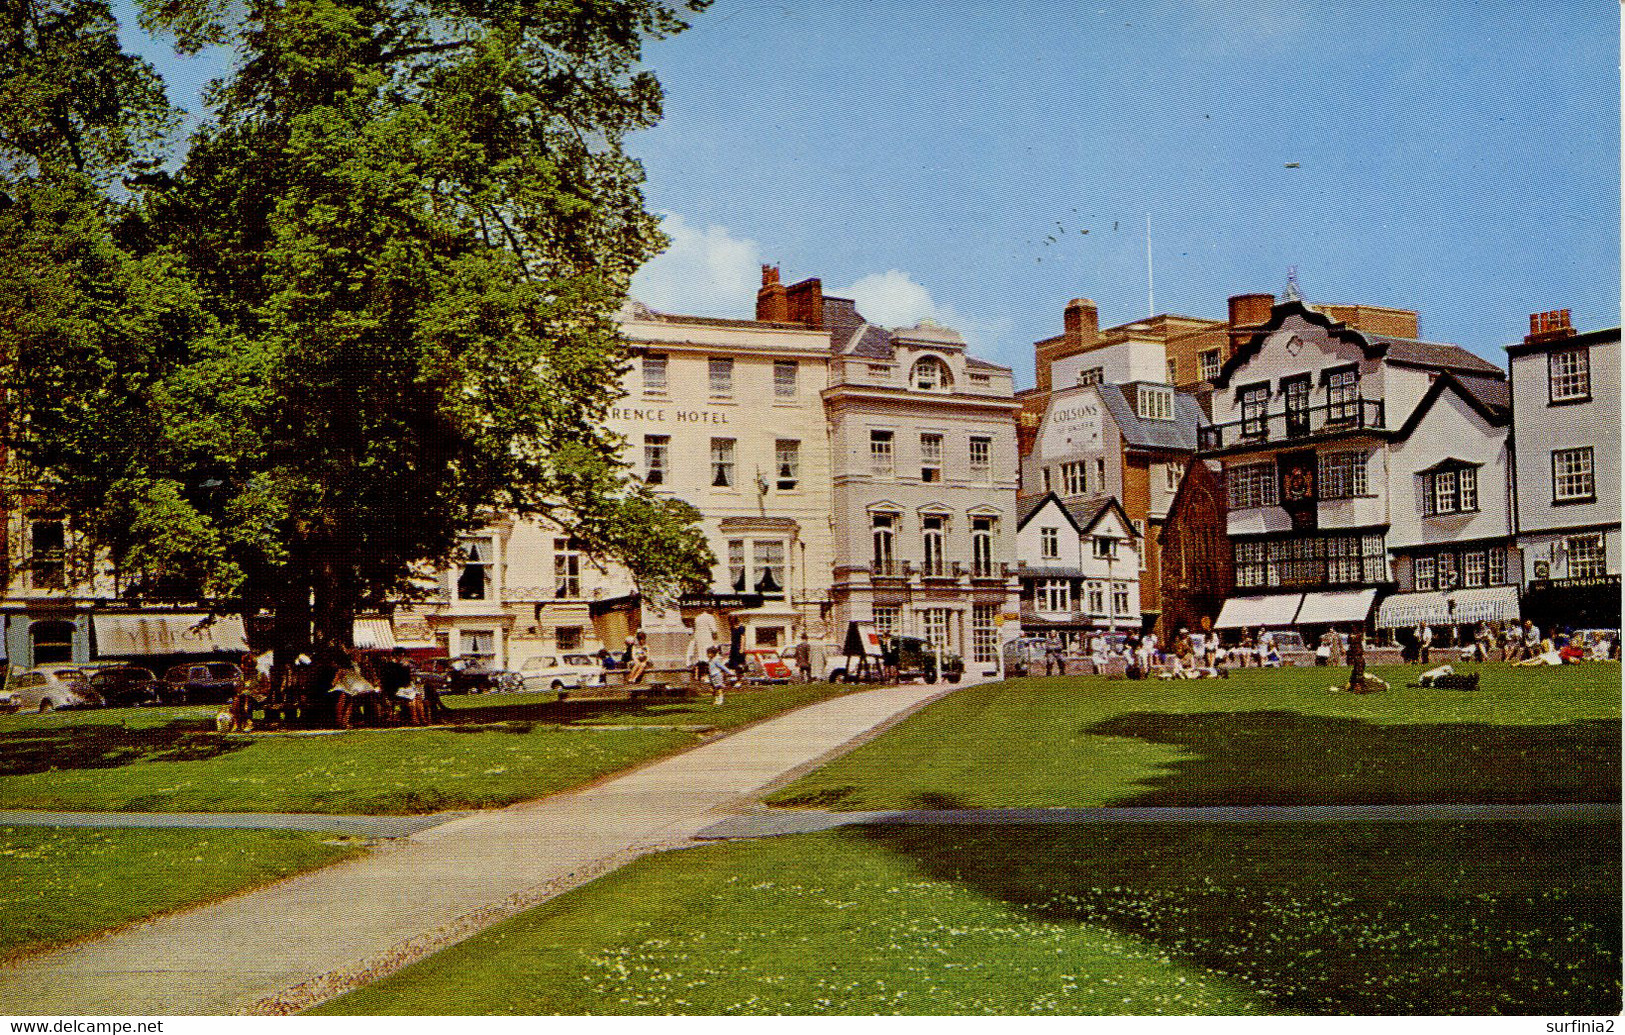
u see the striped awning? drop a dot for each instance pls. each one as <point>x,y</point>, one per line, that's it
<point>373,634</point>
<point>1274,610</point>
<point>1403,610</point>
<point>1485,604</point>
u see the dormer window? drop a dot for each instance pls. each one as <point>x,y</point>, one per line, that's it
<point>1450,487</point>
<point>931,375</point>
<point>1156,402</point>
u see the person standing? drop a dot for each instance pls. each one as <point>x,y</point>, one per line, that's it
<point>804,659</point>
<point>1424,642</point>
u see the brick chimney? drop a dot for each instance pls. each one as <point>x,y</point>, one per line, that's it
<point>772,305</point>
<point>804,303</point>
<point>1081,323</point>
<point>1247,314</point>
<point>1551,326</point>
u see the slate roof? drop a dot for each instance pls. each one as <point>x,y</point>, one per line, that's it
<point>1179,433</point>
<point>1081,510</point>
<point>1435,354</point>
<point>1492,393</point>
<point>972,363</point>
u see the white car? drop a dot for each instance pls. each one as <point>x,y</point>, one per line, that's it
<point>566,672</point>
<point>50,687</point>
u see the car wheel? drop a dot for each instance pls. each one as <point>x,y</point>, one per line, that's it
<point>930,675</point>
<point>838,676</point>
<point>558,685</point>
<point>46,706</point>
<point>953,677</point>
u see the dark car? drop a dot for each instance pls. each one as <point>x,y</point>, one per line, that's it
<point>460,676</point>
<point>917,659</point>
<point>126,686</point>
<point>208,682</point>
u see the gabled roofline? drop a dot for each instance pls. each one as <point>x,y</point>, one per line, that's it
<point>1448,380</point>
<point>1111,504</point>
<point>1278,316</point>
<point>1044,502</point>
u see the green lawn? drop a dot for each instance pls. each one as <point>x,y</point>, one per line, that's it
<point>1168,919</point>
<point>1274,736</point>
<point>62,883</point>
<point>172,760</point>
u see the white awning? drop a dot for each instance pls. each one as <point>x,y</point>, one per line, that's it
<point>1336,605</point>
<point>373,634</point>
<point>1403,610</point>
<point>1274,610</point>
<point>1486,604</point>
<point>118,635</point>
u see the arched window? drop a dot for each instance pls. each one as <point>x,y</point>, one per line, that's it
<point>931,375</point>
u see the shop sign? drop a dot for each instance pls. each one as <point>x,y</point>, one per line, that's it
<point>662,415</point>
<point>723,600</point>
<point>1588,582</point>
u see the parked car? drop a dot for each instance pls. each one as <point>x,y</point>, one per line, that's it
<point>462,676</point>
<point>763,665</point>
<point>1024,655</point>
<point>553,672</point>
<point>46,688</point>
<point>126,686</point>
<point>205,682</point>
<point>916,659</point>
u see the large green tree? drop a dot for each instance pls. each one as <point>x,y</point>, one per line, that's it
<point>371,304</point>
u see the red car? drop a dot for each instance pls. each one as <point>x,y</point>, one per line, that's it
<point>764,665</point>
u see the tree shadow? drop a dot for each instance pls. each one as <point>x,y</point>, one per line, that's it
<point>1368,918</point>
<point>108,746</point>
<point>555,712</point>
<point>1288,758</point>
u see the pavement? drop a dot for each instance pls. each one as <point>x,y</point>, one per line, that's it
<point>316,935</point>
<point>369,827</point>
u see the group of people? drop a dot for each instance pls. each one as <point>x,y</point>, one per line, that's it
<point>364,689</point>
<point>1521,644</point>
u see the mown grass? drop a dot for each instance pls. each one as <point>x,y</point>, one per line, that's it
<point>1262,737</point>
<point>172,760</point>
<point>1366,918</point>
<point>62,883</point>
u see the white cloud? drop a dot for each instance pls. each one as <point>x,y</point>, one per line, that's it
<point>895,299</point>
<point>892,299</point>
<point>705,272</point>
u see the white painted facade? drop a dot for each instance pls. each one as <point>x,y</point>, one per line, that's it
<point>1566,411</point>
<point>1140,357</point>
<point>1079,570</point>
<point>1376,439</point>
<point>923,453</point>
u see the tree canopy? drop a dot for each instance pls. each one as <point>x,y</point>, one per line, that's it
<point>370,305</point>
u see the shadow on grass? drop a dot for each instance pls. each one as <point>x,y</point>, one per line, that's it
<point>1365,918</point>
<point>108,746</point>
<point>554,712</point>
<point>1288,758</point>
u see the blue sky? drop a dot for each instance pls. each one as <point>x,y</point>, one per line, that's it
<point>1460,160</point>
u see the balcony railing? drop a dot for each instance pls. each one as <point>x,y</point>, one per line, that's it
<point>1297,423</point>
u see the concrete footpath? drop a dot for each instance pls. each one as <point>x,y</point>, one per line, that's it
<point>308,938</point>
